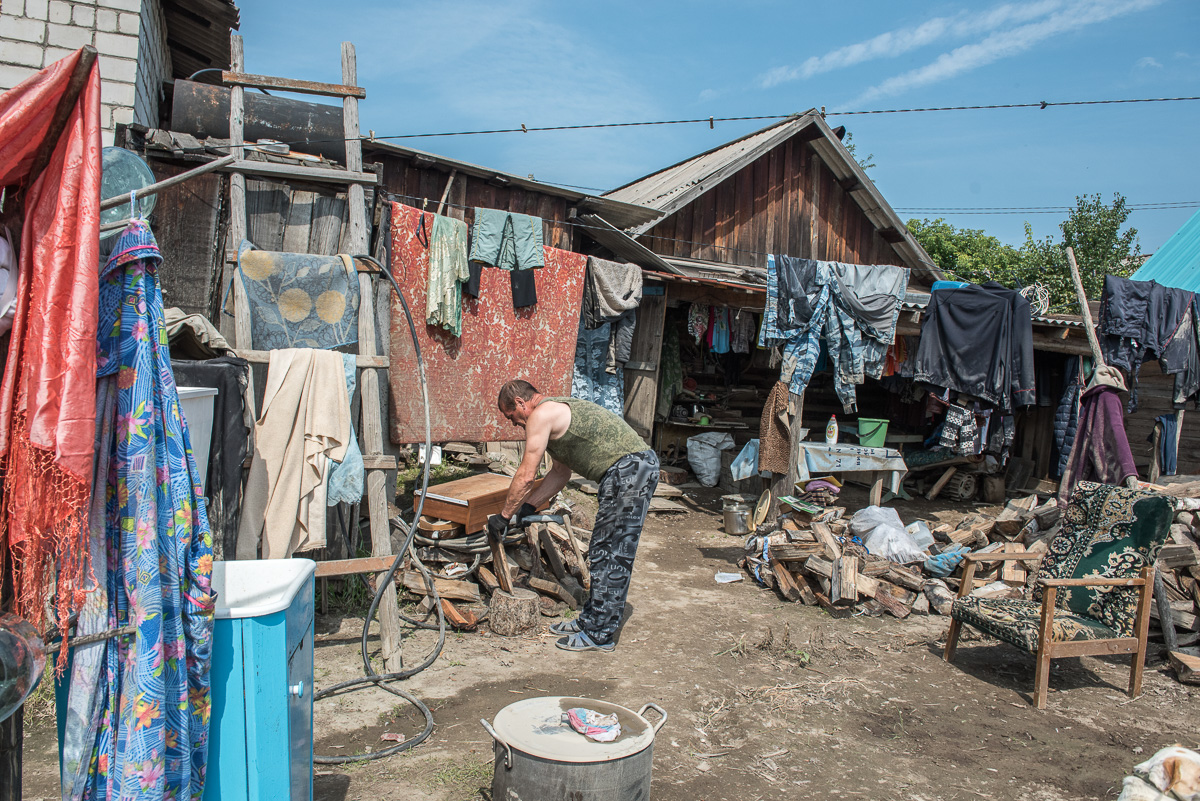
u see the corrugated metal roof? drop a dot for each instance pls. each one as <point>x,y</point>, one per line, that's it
<point>1177,262</point>
<point>619,213</point>
<point>668,189</point>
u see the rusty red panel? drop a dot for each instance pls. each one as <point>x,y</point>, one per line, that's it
<point>498,342</point>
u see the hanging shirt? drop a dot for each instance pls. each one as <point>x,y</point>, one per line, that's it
<point>720,330</point>
<point>448,271</point>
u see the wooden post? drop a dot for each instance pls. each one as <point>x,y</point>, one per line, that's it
<point>239,327</point>
<point>372,405</point>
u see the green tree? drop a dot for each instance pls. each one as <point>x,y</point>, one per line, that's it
<point>867,161</point>
<point>967,254</point>
<point>1092,228</point>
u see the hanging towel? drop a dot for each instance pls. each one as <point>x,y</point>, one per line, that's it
<point>591,381</point>
<point>299,300</point>
<point>305,423</point>
<point>153,735</point>
<point>506,240</point>
<point>742,333</point>
<point>720,330</point>
<point>1101,448</point>
<point>346,477</point>
<point>447,272</point>
<point>775,446</point>
<point>612,288</point>
<point>698,314</point>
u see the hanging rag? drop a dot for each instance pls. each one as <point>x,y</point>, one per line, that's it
<point>193,336</point>
<point>447,273</point>
<point>591,381</point>
<point>611,289</point>
<point>299,300</point>
<point>48,394</point>
<point>742,331</point>
<point>670,379</point>
<point>152,740</point>
<point>347,476</point>
<point>1167,454</point>
<point>230,442</point>
<point>1101,449</point>
<point>507,240</point>
<point>720,330</point>
<point>303,427</point>
<point>775,443</point>
<point>978,340</point>
<point>1143,320</point>
<point>698,314</point>
<point>1066,416</point>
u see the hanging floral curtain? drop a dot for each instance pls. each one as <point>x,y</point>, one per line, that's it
<point>153,715</point>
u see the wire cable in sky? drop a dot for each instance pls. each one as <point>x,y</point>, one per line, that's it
<point>711,121</point>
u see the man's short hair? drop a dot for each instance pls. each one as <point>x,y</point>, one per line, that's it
<point>510,392</point>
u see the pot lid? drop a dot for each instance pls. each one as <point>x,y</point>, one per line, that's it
<point>761,509</point>
<point>535,726</point>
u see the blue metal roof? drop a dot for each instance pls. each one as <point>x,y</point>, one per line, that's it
<point>1177,262</point>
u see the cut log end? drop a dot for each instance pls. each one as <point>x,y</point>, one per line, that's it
<point>514,613</point>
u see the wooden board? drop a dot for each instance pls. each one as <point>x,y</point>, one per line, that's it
<point>641,371</point>
<point>467,501</point>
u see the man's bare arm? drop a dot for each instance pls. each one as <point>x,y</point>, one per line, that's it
<point>537,436</point>
<point>554,481</point>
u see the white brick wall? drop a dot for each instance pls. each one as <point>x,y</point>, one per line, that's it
<point>131,38</point>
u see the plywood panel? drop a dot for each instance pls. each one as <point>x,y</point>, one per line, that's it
<point>498,343</point>
<point>641,385</point>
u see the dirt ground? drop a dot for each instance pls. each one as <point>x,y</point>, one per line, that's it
<point>767,699</point>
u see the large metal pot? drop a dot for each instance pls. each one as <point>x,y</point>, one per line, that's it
<point>539,756</point>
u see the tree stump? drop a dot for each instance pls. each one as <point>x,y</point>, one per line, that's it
<point>510,614</point>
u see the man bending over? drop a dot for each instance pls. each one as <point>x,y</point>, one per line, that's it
<point>594,442</point>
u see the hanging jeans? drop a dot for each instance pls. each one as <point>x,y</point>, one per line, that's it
<point>625,492</point>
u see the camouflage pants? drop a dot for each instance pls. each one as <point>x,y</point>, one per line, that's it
<point>625,492</point>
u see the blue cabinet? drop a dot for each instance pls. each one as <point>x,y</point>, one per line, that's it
<point>261,736</point>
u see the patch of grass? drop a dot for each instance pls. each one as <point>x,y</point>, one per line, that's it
<point>739,648</point>
<point>462,779</point>
<point>40,703</point>
<point>408,479</point>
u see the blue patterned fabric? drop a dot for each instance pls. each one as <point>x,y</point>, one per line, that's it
<point>591,381</point>
<point>153,737</point>
<point>345,483</point>
<point>299,300</point>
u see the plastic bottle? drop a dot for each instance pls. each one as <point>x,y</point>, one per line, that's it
<point>831,430</point>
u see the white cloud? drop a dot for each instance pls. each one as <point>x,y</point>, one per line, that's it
<point>1148,61</point>
<point>1005,44</point>
<point>903,40</point>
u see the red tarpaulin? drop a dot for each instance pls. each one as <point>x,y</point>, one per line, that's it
<point>498,342</point>
<point>48,395</point>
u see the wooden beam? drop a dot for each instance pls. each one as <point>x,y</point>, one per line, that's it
<point>291,85</point>
<point>300,172</point>
<point>446,588</point>
<point>350,567</point>
<point>154,189</point>
<point>264,356</point>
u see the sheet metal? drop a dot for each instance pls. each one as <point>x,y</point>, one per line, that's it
<point>497,343</point>
<point>1177,262</point>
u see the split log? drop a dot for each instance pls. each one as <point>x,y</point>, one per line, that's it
<point>896,601</point>
<point>795,551</point>
<point>825,536</point>
<point>554,590</point>
<point>446,588</point>
<point>513,613</point>
<point>1013,572</point>
<point>1186,666</point>
<point>1014,517</point>
<point>1175,557</point>
<point>487,579</point>
<point>940,598</point>
<point>785,583</point>
<point>464,621</point>
<point>940,484</point>
<point>905,577</point>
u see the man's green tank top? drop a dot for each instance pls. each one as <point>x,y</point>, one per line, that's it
<point>595,439</point>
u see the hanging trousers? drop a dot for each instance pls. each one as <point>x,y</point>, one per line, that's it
<point>625,493</point>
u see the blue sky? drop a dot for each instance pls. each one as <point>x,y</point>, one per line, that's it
<point>477,64</point>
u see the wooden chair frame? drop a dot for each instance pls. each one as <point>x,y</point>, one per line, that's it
<point>1048,649</point>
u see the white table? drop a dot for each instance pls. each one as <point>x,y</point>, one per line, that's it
<point>817,458</point>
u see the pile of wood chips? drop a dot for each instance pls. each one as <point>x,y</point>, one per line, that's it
<point>813,559</point>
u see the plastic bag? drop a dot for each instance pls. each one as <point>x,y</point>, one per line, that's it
<point>704,455</point>
<point>882,533</point>
<point>746,463</point>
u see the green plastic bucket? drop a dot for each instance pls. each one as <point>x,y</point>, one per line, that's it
<point>871,432</point>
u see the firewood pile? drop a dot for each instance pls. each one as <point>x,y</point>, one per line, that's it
<point>546,563</point>
<point>816,559</point>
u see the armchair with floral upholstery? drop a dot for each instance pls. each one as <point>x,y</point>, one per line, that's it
<point>1091,594</point>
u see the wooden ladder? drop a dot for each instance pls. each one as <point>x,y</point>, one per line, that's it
<point>369,361</point>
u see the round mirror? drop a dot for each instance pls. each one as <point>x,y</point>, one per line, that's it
<point>124,172</point>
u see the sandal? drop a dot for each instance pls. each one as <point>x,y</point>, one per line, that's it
<point>565,627</point>
<point>580,641</point>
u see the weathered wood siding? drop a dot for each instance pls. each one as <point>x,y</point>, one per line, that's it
<point>1154,400</point>
<point>786,201</point>
<point>411,183</point>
